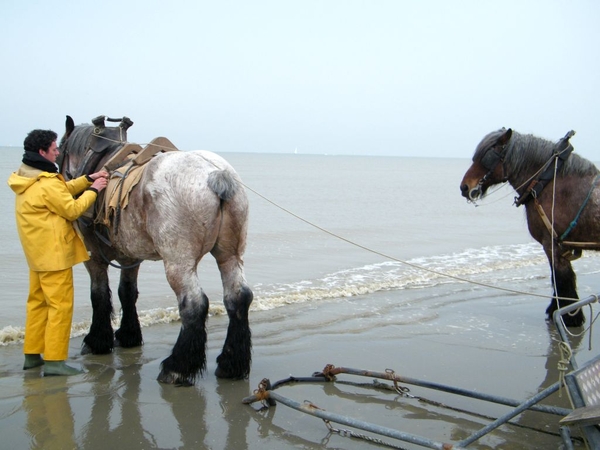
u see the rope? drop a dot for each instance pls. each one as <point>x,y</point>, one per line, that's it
<point>563,366</point>
<point>554,284</point>
<point>383,255</point>
<point>415,266</point>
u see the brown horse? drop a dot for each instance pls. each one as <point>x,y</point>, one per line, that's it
<point>558,190</point>
<point>185,205</point>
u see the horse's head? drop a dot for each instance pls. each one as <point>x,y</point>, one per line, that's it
<point>488,165</point>
<point>83,147</point>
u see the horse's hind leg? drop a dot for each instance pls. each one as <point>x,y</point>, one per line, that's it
<point>236,357</point>
<point>100,339</point>
<point>129,333</point>
<point>565,286</point>
<point>188,358</point>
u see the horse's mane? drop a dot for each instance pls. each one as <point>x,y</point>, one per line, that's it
<point>526,154</point>
<point>78,139</point>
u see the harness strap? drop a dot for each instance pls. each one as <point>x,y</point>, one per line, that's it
<point>576,252</point>
<point>544,218</point>
<point>569,254</point>
<point>562,152</point>
<point>573,224</point>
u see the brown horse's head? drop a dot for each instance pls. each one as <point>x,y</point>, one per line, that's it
<point>488,165</point>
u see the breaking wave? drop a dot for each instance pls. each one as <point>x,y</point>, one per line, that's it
<point>495,265</point>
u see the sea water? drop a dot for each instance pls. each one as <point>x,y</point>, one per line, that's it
<point>325,227</point>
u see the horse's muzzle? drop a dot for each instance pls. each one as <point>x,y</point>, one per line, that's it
<point>471,194</point>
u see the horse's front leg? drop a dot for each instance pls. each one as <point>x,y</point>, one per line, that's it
<point>100,339</point>
<point>236,357</point>
<point>129,333</point>
<point>565,287</point>
<point>188,358</point>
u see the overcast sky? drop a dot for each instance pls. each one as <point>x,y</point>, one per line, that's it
<point>373,77</point>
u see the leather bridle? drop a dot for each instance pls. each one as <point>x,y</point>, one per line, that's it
<point>490,160</point>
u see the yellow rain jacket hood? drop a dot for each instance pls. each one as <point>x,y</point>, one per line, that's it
<point>45,210</point>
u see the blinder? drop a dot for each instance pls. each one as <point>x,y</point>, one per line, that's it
<point>490,161</point>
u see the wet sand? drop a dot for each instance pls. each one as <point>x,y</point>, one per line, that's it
<point>476,339</point>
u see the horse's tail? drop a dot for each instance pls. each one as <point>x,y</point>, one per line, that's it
<point>223,183</point>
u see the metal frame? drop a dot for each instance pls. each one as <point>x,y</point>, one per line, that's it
<point>591,433</point>
<point>268,397</point>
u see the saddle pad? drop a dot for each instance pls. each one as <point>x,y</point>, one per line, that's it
<point>120,184</point>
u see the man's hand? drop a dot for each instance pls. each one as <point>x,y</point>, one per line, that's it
<point>99,183</point>
<point>101,174</point>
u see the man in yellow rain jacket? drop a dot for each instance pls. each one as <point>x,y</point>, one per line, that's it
<point>45,209</point>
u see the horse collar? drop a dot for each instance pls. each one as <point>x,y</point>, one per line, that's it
<point>547,173</point>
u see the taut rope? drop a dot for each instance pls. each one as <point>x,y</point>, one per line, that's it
<point>384,255</point>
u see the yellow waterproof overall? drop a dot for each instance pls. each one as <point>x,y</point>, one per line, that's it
<point>46,208</point>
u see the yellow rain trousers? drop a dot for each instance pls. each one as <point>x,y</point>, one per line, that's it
<point>49,314</point>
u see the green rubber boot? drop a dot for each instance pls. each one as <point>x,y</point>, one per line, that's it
<point>32,361</point>
<point>54,368</point>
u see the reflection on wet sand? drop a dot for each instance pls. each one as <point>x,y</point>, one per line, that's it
<point>237,418</point>
<point>115,414</point>
<point>49,416</point>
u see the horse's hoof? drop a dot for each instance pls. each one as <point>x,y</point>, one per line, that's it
<point>86,349</point>
<point>173,378</point>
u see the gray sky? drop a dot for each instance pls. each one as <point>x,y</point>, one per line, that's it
<point>380,77</point>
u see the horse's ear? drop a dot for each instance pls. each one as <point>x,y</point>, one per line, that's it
<point>505,137</point>
<point>69,125</point>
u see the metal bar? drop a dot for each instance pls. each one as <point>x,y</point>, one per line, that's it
<point>515,412</point>
<point>565,433</point>
<point>451,389</point>
<point>332,417</point>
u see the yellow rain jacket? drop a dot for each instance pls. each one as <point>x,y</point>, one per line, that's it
<point>45,209</point>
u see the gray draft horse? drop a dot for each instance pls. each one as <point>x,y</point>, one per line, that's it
<point>559,192</point>
<point>185,205</point>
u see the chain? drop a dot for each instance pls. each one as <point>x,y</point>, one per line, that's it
<point>352,434</point>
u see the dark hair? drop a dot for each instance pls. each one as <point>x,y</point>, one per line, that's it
<point>39,139</point>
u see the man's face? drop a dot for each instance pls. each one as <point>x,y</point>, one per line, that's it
<point>51,154</point>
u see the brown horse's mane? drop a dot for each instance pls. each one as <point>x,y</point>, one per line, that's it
<point>526,154</point>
